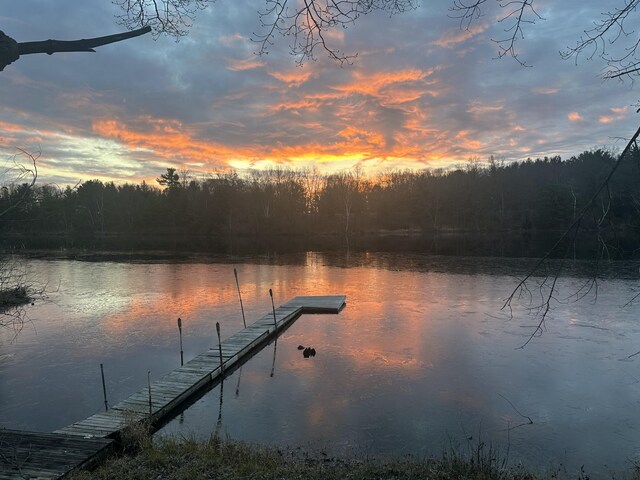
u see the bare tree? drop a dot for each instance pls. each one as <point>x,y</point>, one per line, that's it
<point>15,288</point>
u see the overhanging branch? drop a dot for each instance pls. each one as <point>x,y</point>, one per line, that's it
<point>10,50</point>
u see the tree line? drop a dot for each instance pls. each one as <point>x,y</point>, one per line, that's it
<point>519,199</point>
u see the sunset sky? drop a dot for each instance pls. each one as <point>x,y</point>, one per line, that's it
<point>421,93</point>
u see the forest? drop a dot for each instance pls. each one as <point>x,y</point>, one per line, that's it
<point>532,199</point>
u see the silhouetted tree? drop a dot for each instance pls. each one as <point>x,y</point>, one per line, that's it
<point>171,179</point>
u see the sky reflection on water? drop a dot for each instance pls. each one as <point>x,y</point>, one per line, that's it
<point>421,358</point>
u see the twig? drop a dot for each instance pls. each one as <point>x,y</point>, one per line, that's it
<point>529,422</point>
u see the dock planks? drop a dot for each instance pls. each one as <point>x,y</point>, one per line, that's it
<point>47,455</point>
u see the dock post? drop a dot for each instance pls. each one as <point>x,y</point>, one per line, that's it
<point>104,389</point>
<point>149,388</point>
<point>181,352</point>
<point>273,307</point>
<point>275,330</point>
<point>235,273</point>
<point>220,349</point>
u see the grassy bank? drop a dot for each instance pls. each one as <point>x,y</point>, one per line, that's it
<point>217,459</point>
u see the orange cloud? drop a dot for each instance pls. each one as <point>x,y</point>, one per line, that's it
<point>11,127</point>
<point>170,140</point>
<point>165,138</point>
<point>292,79</point>
<point>617,113</point>
<point>574,117</point>
<point>452,39</point>
<point>356,135</point>
<point>306,104</point>
<point>238,65</point>
<point>378,84</point>
<point>469,144</point>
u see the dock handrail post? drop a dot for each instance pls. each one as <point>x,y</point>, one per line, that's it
<point>220,349</point>
<point>149,388</point>
<point>181,352</point>
<point>235,273</point>
<point>273,307</point>
<point>104,389</point>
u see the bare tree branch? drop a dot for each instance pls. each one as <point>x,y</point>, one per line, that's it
<point>173,17</point>
<point>23,173</point>
<point>309,22</point>
<point>573,227</point>
<point>517,13</point>
<point>10,50</point>
<point>466,11</point>
<point>613,27</point>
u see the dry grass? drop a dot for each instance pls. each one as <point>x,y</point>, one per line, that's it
<point>135,437</point>
<point>187,459</point>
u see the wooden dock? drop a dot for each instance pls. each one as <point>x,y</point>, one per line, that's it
<point>47,455</point>
<point>80,445</point>
<point>178,386</point>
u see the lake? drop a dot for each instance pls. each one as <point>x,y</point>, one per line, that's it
<point>421,359</point>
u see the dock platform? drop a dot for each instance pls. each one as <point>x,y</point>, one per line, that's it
<point>47,455</point>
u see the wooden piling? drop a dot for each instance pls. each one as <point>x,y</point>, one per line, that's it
<point>235,273</point>
<point>220,349</point>
<point>275,330</point>
<point>181,352</point>
<point>104,389</point>
<point>273,308</point>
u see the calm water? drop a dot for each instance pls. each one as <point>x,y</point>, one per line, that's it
<point>422,357</point>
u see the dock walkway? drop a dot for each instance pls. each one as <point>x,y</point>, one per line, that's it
<point>50,455</point>
<point>47,455</point>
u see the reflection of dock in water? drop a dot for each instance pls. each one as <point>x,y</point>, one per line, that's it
<point>164,396</point>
